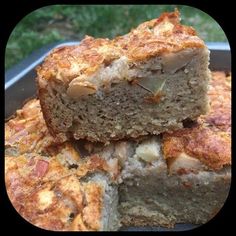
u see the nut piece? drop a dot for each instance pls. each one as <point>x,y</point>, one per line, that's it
<point>174,61</point>
<point>153,85</point>
<point>45,199</point>
<point>163,28</point>
<point>148,150</point>
<point>184,164</point>
<point>78,89</point>
<point>123,150</point>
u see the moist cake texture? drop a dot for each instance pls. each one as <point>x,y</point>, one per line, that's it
<point>190,179</point>
<point>178,177</point>
<point>145,82</point>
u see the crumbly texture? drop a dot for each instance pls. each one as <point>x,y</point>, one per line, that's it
<point>153,194</point>
<point>98,89</point>
<point>150,181</point>
<point>51,185</point>
<point>193,168</point>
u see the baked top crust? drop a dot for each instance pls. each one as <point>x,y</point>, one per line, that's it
<point>44,179</point>
<point>51,196</point>
<point>152,38</point>
<point>209,139</point>
<point>27,131</point>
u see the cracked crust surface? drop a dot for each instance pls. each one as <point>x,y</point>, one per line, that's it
<point>51,196</point>
<point>152,38</point>
<point>44,180</point>
<point>27,132</point>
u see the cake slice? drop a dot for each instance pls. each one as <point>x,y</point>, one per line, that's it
<point>152,193</point>
<point>178,177</point>
<point>52,196</point>
<point>145,82</point>
<point>183,176</point>
<point>50,185</point>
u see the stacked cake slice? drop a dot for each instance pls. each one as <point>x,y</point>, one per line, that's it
<point>122,135</point>
<point>145,82</point>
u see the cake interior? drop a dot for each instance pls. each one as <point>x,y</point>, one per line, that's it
<point>165,89</point>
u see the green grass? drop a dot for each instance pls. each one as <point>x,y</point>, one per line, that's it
<point>58,22</point>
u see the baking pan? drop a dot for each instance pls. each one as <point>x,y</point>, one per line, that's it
<point>20,86</point>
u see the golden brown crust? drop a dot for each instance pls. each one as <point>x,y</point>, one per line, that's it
<point>51,196</point>
<point>209,139</point>
<point>158,36</point>
<point>27,132</point>
<point>219,115</point>
<point>42,188</point>
<point>151,38</point>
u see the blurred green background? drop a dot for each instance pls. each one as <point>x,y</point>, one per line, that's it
<point>64,22</point>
